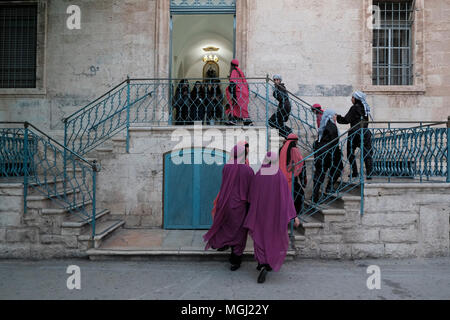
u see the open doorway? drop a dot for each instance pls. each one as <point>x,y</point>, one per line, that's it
<point>203,45</point>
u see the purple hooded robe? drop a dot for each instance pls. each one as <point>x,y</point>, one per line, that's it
<point>271,210</point>
<point>231,205</point>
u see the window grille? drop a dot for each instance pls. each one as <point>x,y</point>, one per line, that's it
<point>18,45</point>
<point>392,38</point>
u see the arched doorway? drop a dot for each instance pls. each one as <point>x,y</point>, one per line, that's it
<point>199,36</point>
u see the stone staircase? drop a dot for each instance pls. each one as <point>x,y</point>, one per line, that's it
<point>322,231</point>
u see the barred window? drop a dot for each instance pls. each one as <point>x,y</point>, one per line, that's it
<point>392,38</point>
<point>18,45</point>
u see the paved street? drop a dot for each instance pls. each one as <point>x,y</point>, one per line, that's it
<point>300,279</point>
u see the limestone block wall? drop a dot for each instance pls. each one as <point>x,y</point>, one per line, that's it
<point>32,234</point>
<point>116,39</point>
<point>323,50</point>
<point>399,221</point>
<point>131,184</point>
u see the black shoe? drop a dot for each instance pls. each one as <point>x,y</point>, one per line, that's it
<point>224,248</point>
<point>262,275</point>
<point>234,267</point>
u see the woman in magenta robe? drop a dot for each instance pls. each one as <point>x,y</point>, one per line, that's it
<point>231,207</point>
<point>271,210</point>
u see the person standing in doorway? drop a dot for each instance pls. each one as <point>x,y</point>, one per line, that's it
<point>238,96</point>
<point>271,210</point>
<point>360,110</point>
<point>181,102</point>
<point>279,118</point>
<point>198,95</point>
<point>231,207</point>
<point>214,101</point>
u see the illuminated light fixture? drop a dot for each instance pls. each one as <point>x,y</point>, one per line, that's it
<point>209,56</point>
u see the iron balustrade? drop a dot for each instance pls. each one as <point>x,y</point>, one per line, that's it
<point>48,168</point>
<point>164,102</point>
<point>418,152</point>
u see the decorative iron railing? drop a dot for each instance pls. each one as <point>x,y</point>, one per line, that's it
<point>419,152</point>
<point>385,152</point>
<point>164,102</point>
<point>49,169</point>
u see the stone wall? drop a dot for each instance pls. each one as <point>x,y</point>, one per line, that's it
<point>131,184</point>
<point>399,221</point>
<point>32,234</point>
<point>116,39</point>
<point>322,49</point>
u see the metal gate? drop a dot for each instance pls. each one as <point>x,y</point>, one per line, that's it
<point>190,189</point>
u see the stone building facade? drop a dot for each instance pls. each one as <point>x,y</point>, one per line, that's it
<point>323,49</point>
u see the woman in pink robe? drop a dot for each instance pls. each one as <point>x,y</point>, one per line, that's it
<point>238,94</point>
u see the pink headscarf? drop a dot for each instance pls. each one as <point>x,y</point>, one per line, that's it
<point>238,107</point>
<point>296,157</point>
<point>319,115</point>
<point>236,157</point>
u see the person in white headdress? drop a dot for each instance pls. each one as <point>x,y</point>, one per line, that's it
<point>328,156</point>
<point>360,110</point>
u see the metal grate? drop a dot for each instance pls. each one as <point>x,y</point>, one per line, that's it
<point>202,6</point>
<point>18,46</point>
<point>392,56</point>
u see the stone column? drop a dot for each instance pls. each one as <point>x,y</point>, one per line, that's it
<point>242,25</point>
<point>162,38</point>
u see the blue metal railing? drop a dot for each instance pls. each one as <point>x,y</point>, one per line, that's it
<point>328,179</point>
<point>417,153</point>
<point>49,169</point>
<point>161,102</point>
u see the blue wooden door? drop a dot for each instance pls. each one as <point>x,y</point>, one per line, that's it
<point>190,189</point>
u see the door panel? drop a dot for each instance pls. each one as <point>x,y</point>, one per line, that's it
<point>189,191</point>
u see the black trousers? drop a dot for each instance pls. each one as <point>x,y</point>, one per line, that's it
<point>278,119</point>
<point>330,162</point>
<point>354,143</point>
<point>299,196</point>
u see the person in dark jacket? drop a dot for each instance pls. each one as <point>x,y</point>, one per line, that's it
<point>198,95</point>
<point>214,98</point>
<point>328,158</point>
<point>181,102</point>
<point>278,119</point>
<point>360,110</point>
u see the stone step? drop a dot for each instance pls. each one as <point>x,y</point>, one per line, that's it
<point>54,211</point>
<point>59,193</point>
<point>102,230</point>
<point>114,254</point>
<point>76,225</point>
<point>78,222</point>
<point>310,225</point>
